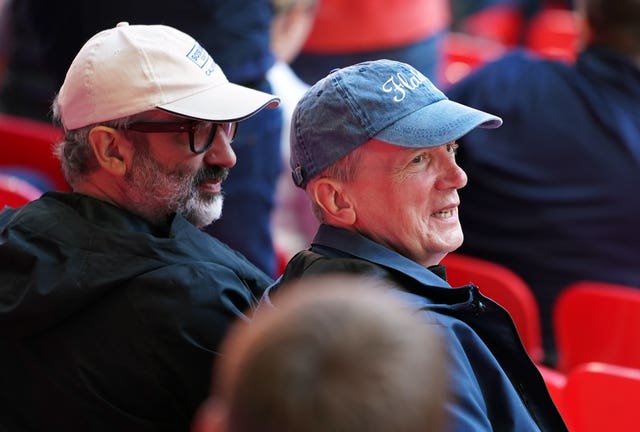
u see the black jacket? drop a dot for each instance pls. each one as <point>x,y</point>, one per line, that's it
<point>108,323</point>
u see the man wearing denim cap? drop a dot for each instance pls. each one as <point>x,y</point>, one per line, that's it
<point>113,300</point>
<point>374,147</point>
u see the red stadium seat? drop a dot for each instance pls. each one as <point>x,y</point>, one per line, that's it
<point>505,288</point>
<point>462,53</point>
<point>556,382</point>
<point>597,322</point>
<point>498,23</point>
<point>600,397</point>
<point>28,143</point>
<point>553,33</point>
<point>15,192</point>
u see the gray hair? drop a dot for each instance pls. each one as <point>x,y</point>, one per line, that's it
<point>344,169</point>
<point>75,153</point>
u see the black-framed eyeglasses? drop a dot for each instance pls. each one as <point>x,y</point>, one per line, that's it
<point>201,133</point>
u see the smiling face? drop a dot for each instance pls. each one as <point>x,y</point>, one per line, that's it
<point>406,199</point>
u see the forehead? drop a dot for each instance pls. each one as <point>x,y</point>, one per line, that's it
<point>380,148</point>
<point>158,115</point>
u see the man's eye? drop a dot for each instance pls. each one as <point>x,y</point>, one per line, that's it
<point>452,148</point>
<point>418,159</point>
<point>202,126</point>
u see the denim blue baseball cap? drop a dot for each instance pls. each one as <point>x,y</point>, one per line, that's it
<point>383,99</point>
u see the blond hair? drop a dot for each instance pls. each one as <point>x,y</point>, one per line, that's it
<point>338,353</point>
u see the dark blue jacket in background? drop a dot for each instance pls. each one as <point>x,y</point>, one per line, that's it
<point>553,193</point>
<point>235,33</point>
<point>495,386</point>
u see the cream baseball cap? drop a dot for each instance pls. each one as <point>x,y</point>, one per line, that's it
<point>130,69</point>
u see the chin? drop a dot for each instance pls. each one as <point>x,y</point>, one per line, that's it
<point>202,214</point>
<point>454,242</point>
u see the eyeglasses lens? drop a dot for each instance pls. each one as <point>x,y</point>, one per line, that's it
<point>205,133</point>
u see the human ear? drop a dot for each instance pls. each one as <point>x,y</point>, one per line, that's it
<point>334,200</point>
<point>113,153</point>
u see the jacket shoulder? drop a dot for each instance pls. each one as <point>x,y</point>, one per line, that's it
<point>308,263</point>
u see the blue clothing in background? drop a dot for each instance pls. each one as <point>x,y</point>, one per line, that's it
<point>34,177</point>
<point>236,34</point>
<point>494,384</point>
<point>553,193</point>
<point>424,55</point>
<point>250,189</point>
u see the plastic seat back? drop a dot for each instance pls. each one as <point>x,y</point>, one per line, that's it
<point>553,33</point>
<point>15,192</point>
<point>505,288</point>
<point>462,53</point>
<point>556,382</point>
<point>600,397</point>
<point>597,322</point>
<point>29,143</point>
<point>498,23</point>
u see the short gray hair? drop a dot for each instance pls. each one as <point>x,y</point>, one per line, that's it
<point>344,169</point>
<point>75,153</point>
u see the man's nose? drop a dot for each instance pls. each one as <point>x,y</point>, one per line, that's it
<point>453,177</point>
<point>221,153</point>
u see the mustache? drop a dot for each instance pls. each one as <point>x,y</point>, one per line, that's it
<point>215,173</point>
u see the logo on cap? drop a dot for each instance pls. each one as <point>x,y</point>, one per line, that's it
<point>198,55</point>
<point>399,84</point>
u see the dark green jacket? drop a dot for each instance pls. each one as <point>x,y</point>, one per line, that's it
<point>108,323</point>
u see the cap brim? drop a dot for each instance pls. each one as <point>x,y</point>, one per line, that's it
<point>226,102</point>
<point>437,124</point>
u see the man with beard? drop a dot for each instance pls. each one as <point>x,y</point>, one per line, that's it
<point>112,301</point>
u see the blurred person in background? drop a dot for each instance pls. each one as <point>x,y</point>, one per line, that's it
<point>349,32</point>
<point>552,194</point>
<point>293,222</point>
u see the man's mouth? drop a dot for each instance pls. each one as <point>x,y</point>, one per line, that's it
<point>213,185</point>
<point>210,179</point>
<point>443,214</point>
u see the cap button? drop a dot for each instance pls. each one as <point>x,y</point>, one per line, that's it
<point>298,176</point>
<point>122,24</point>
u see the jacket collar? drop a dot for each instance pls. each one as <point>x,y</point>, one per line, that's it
<point>337,242</point>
